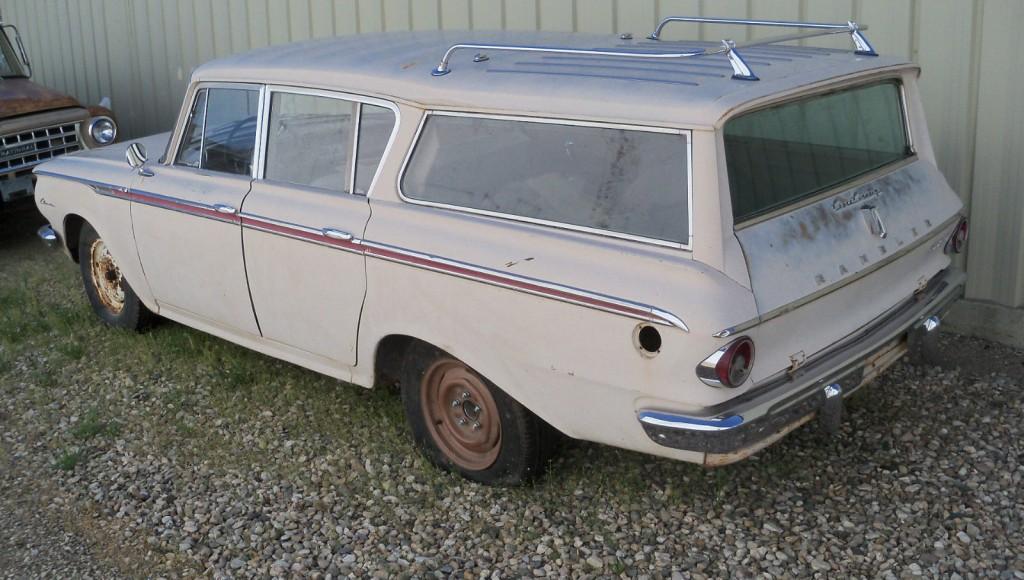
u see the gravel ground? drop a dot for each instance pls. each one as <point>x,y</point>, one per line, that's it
<point>174,454</point>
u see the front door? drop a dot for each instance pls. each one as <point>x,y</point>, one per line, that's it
<point>304,216</point>
<point>185,212</point>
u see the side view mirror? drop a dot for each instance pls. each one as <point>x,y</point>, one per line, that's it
<point>136,155</point>
<point>21,47</point>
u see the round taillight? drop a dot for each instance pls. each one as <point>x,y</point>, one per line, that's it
<point>958,241</point>
<point>728,366</point>
<point>734,366</point>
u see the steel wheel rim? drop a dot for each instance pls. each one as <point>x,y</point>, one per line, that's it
<point>461,415</point>
<point>106,277</point>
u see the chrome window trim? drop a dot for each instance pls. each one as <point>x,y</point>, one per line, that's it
<point>357,122</point>
<point>687,133</point>
<point>356,99</point>
<point>186,114</point>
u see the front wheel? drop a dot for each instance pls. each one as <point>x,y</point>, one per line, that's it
<point>112,298</point>
<point>464,423</point>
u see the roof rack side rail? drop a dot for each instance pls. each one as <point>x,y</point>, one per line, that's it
<point>856,32</point>
<point>443,68</point>
<point>741,71</point>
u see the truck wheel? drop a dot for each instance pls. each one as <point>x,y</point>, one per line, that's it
<point>464,423</point>
<point>111,296</point>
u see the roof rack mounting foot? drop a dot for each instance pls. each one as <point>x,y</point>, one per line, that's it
<point>740,69</point>
<point>440,70</point>
<point>863,47</point>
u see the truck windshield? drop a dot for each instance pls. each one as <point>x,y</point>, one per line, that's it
<point>786,153</point>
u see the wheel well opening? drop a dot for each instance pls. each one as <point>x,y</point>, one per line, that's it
<point>387,364</point>
<point>72,230</point>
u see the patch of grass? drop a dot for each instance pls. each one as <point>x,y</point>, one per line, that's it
<point>91,425</point>
<point>72,350</point>
<point>69,460</point>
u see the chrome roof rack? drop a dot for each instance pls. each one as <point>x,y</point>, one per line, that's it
<point>741,71</point>
<point>863,47</point>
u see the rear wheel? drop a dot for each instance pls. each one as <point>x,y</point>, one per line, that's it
<point>111,296</point>
<point>466,424</point>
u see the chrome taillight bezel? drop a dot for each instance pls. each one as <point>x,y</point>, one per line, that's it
<point>714,371</point>
<point>958,240</point>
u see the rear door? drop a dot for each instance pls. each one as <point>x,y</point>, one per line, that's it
<point>828,192</point>
<point>306,213</point>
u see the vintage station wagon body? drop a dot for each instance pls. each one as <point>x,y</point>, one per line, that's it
<point>563,224</point>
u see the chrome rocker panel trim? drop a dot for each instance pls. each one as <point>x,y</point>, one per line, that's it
<point>758,418</point>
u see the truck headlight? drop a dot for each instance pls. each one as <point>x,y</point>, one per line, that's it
<point>103,130</point>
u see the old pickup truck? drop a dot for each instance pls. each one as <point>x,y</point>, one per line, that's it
<point>687,249</point>
<point>38,124</point>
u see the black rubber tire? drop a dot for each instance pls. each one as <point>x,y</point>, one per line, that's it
<point>527,442</point>
<point>134,315</point>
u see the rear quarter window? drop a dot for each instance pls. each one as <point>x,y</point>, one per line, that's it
<point>621,181</point>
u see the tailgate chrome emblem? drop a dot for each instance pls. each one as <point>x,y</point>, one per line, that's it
<point>874,221</point>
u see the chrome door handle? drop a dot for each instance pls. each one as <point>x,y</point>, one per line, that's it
<point>874,221</point>
<point>225,209</point>
<point>336,234</point>
<point>144,172</point>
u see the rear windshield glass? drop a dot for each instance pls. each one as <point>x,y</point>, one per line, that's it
<point>617,180</point>
<point>780,155</point>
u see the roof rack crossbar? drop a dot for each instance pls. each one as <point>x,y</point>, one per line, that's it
<point>856,32</point>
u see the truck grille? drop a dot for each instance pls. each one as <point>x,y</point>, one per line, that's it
<point>29,148</point>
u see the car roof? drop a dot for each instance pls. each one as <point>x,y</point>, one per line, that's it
<point>687,92</point>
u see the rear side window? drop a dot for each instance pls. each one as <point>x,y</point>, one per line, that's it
<point>608,179</point>
<point>783,154</point>
<point>221,132</point>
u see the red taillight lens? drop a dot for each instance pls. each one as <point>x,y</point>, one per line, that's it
<point>734,366</point>
<point>729,366</point>
<point>958,241</point>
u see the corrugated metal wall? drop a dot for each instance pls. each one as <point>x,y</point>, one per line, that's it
<point>140,53</point>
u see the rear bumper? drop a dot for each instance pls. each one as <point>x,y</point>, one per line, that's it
<point>740,427</point>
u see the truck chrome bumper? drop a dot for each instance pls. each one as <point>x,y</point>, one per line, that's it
<point>49,237</point>
<point>740,427</point>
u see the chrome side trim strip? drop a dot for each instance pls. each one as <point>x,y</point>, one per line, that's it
<point>524,284</point>
<point>682,422</point>
<point>396,254</point>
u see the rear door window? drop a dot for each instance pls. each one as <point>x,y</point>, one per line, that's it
<point>309,140</point>
<point>630,182</point>
<point>325,142</point>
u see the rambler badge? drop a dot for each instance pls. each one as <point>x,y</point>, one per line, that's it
<point>856,197</point>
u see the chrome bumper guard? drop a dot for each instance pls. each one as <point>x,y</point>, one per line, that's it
<point>49,237</point>
<point>769,411</point>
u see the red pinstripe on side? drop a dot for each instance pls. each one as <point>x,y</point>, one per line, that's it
<point>396,255</point>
